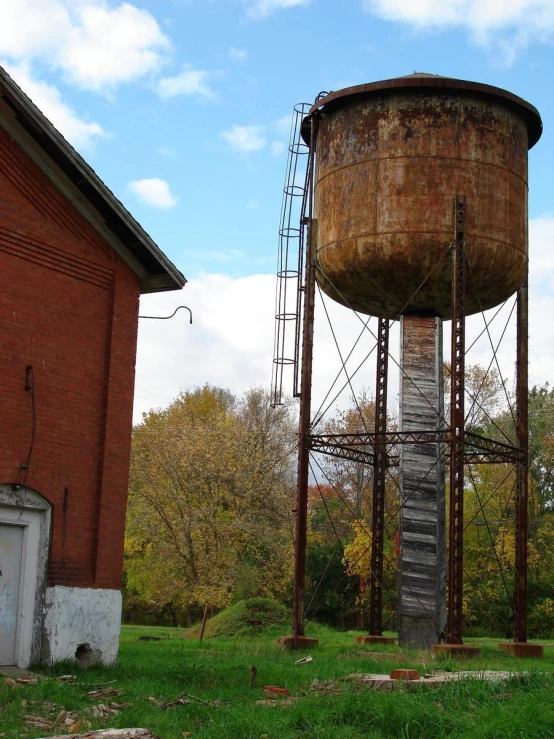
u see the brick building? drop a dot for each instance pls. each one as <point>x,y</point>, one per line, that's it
<point>73,263</point>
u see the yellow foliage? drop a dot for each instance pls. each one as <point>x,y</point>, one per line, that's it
<point>357,554</point>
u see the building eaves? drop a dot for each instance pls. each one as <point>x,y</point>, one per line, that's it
<point>156,271</point>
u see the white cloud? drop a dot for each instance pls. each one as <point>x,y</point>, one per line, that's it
<point>153,192</point>
<point>282,128</point>
<point>48,99</point>
<point>507,25</point>
<point>260,9</point>
<point>166,151</point>
<point>33,28</point>
<point>106,47</point>
<point>245,139</point>
<point>252,204</point>
<point>189,81</point>
<point>277,148</point>
<point>541,266</point>
<point>230,255</point>
<point>230,342</point>
<point>95,45</point>
<point>238,54</point>
<point>283,124</point>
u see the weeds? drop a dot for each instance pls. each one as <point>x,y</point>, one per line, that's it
<point>173,686</point>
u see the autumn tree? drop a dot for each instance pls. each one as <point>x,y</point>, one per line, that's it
<point>541,447</point>
<point>210,500</point>
<point>339,541</point>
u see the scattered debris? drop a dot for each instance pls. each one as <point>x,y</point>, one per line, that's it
<point>105,692</point>
<point>26,680</point>
<point>253,673</point>
<point>326,686</point>
<point>281,703</point>
<point>52,716</point>
<point>304,660</point>
<point>213,704</point>
<point>179,701</point>
<point>275,690</point>
<point>109,734</point>
<point>103,711</point>
<point>67,678</point>
<point>37,722</point>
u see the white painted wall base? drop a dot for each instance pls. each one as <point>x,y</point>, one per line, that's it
<point>76,616</point>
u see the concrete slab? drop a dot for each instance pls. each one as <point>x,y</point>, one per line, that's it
<point>388,683</point>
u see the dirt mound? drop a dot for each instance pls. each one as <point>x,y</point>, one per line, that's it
<point>245,617</point>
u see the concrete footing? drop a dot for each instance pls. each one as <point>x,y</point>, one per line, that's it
<point>372,639</point>
<point>522,649</point>
<point>459,651</point>
<point>304,642</point>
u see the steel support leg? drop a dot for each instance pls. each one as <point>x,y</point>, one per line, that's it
<point>457,425</point>
<point>379,480</point>
<point>303,441</point>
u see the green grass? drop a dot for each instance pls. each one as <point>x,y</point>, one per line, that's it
<point>218,670</point>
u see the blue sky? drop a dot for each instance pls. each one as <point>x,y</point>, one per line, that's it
<point>183,109</point>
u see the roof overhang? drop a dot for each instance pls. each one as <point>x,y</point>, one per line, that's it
<point>21,118</point>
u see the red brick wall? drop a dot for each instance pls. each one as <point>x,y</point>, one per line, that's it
<point>68,308</point>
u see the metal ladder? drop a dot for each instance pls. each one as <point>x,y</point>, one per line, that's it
<point>290,261</point>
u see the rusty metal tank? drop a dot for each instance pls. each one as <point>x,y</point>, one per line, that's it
<point>391,157</point>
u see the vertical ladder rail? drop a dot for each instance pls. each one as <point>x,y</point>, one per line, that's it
<point>290,261</point>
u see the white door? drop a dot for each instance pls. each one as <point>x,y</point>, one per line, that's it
<point>11,550</point>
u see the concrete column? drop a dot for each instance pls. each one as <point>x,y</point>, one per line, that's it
<point>422,562</point>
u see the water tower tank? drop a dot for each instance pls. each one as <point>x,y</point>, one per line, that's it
<point>391,157</point>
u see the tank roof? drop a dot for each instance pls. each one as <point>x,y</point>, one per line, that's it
<point>426,81</point>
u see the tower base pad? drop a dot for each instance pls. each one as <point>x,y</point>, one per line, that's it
<point>371,639</point>
<point>304,642</point>
<point>522,649</point>
<point>459,651</point>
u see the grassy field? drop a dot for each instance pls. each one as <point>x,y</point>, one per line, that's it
<point>217,672</point>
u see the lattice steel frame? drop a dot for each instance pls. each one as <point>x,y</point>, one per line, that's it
<point>378,449</point>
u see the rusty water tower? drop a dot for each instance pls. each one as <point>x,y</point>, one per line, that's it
<point>415,209</point>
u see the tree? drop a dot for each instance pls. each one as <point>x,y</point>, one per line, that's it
<point>486,396</point>
<point>210,499</point>
<point>338,552</point>
<point>541,447</point>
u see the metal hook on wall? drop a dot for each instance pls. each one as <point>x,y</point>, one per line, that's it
<point>165,318</point>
